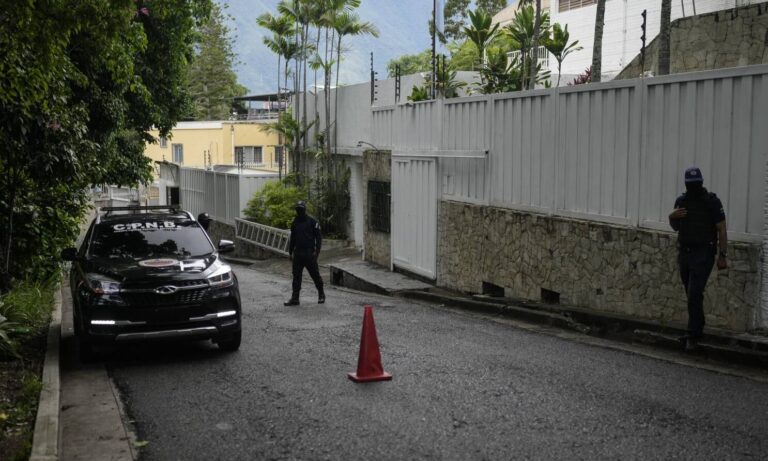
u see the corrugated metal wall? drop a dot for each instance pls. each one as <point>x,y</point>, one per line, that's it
<point>612,152</point>
<point>222,195</point>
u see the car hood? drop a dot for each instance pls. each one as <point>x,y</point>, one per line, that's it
<point>155,268</point>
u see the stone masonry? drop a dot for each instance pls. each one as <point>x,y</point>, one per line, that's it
<point>730,38</point>
<point>609,268</point>
<point>377,166</point>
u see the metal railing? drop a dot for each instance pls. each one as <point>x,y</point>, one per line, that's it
<point>266,237</point>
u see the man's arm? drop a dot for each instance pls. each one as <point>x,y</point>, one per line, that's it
<point>676,215</point>
<point>318,238</point>
<point>292,240</point>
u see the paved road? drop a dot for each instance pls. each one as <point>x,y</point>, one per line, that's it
<point>464,388</point>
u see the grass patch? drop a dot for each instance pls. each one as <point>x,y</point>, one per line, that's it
<point>25,313</point>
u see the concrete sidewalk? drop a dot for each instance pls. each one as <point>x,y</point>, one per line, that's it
<point>744,348</point>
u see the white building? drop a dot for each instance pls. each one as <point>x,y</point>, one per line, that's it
<point>621,35</point>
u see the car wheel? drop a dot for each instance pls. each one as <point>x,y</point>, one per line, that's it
<point>230,343</point>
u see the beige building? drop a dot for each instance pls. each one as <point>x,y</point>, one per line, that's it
<point>203,144</point>
<point>507,15</point>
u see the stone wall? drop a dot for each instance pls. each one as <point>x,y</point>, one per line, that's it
<point>377,166</point>
<point>608,268</point>
<point>729,38</point>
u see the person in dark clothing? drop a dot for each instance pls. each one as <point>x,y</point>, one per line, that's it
<point>699,219</point>
<point>204,220</point>
<point>303,249</point>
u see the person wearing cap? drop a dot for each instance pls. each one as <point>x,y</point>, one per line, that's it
<point>303,249</point>
<point>699,219</point>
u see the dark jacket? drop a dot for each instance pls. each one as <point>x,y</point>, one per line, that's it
<point>305,235</point>
<point>705,211</point>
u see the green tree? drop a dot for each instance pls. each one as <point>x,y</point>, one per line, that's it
<point>212,79</point>
<point>463,55</point>
<point>411,63</point>
<point>455,13</point>
<point>491,6</point>
<point>558,45</point>
<point>81,84</point>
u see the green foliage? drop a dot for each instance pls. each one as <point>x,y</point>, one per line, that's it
<point>24,311</point>
<point>81,84</point>
<point>464,56</point>
<point>274,204</point>
<point>558,45</point>
<point>419,93</point>
<point>411,63</point>
<point>212,79</point>
<point>455,14</point>
<point>331,197</point>
<point>446,83</point>
<point>481,31</point>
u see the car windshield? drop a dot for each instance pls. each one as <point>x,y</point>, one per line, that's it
<point>149,239</point>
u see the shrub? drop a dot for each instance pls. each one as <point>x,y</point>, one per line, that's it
<point>274,204</point>
<point>24,311</point>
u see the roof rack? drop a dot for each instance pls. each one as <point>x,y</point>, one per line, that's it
<point>136,209</point>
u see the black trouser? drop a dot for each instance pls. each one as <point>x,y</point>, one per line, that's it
<point>302,259</point>
<point>695,264</point>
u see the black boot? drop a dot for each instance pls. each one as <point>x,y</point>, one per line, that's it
<point>294,301</point>
<point>321,297</point>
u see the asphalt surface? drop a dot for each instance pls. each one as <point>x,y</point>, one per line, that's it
<point>464,387</point>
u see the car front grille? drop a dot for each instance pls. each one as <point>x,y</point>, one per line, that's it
<point>146,299</point>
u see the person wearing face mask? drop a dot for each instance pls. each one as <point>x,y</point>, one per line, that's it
<point>303,249</point>
<point>699,219</point>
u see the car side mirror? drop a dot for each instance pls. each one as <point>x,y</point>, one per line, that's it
<point>69,254</point>
<point>226,246</point>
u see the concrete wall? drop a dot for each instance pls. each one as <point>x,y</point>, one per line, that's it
<point>605,267</point>
<point>621,35</point>
<point>377,166</point>
<point>711,41</point>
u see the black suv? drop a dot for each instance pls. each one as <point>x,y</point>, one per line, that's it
<point>152,273</point>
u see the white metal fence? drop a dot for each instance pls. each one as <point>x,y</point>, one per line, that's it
<point>612,152</point>
<point>222,195</point>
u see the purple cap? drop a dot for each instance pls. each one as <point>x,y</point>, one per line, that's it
<point>693,174</point>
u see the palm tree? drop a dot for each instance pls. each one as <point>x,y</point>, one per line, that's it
<point>280,27</point>
<point>347,24</point>
<point>521,31</point>
<point>480,31</point>
<point>597,48</point>
<point>535,46</point>
<point>558,45</point>
<point>664,47</point>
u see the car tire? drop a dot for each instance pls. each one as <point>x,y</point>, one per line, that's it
<point>230,343</point>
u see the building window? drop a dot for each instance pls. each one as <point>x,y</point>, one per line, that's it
<point>248,154</point>
<point>378,206</point>
<point>566,5</point>
<point>178,153</point>
<point>163,142</point>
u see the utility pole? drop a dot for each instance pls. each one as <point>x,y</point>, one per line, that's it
<point>434,33</point>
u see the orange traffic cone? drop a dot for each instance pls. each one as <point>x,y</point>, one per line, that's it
<point>369,362</point>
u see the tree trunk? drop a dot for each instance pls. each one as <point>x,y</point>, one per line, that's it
<point>534,46</point>
<point>664,45</point>
<point>597,49</point>
<point>336,96</point>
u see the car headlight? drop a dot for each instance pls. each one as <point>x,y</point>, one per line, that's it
<point>221,278</point>
<point>102,285</point>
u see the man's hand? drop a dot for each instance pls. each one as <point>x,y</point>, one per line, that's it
<point>315,254</point>
<point>678,213</point>
<point>290,256</point>
<point>722,263</point>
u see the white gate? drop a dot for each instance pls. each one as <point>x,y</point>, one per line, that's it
<point>414,215</point>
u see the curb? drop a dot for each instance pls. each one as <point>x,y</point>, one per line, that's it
<point>45,440</point>
<point>727,348</point>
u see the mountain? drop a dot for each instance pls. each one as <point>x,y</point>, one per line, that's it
<point>402,28</point>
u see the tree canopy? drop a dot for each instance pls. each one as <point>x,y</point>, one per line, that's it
<point>212,79</point>
<point>81,85</point>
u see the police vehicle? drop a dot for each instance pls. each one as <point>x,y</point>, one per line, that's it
<point>152,272</point>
